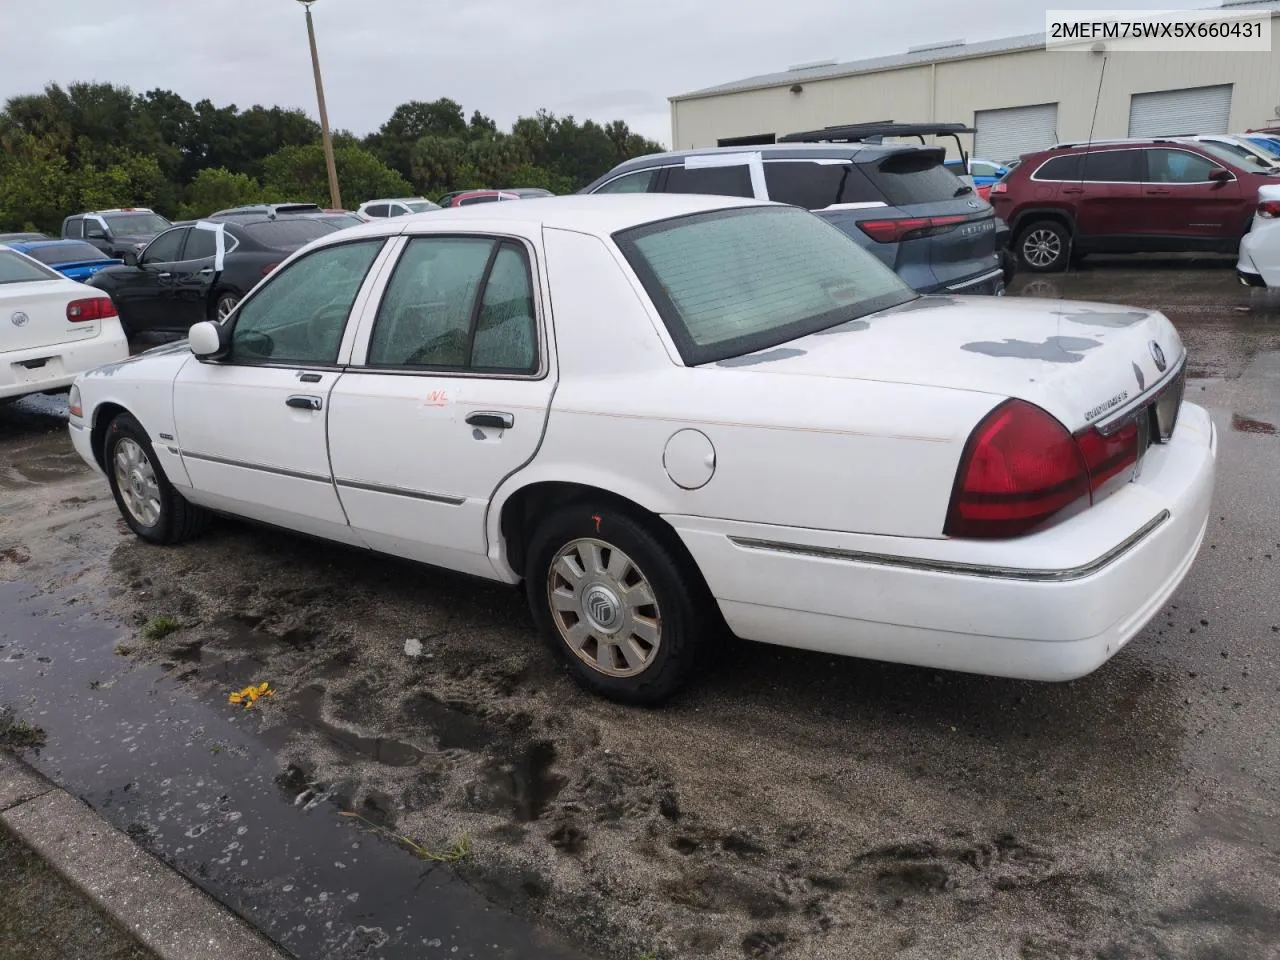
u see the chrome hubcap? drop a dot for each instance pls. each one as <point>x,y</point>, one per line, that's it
<point>604,608</point>
<point>225,306</point>
<point>136,480</point>
<point>1041,247</point>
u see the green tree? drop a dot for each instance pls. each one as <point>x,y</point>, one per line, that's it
<point>408,124</point>
<point>299,173</point>
<point>132,181</point>
<point>37,188</point>
<point>217,188</point>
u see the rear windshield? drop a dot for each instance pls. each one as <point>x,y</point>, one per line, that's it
<point>422,206</point>
<point>136,224</point>
<point>732,282</point>
<point>67,253</point>
<point>340,221</point>
<point>288,234</point>
<point>916,177</point>
<point>15,268</point>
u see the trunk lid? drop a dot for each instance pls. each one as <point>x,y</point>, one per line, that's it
<point>1080,361</point>
<point>34,315</point>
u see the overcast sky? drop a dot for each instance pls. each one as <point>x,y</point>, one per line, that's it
<point>506,58</point>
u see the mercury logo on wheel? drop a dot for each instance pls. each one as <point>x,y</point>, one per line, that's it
<point>19,319</point>
<point>1158,356</point>
<point>602,607</point>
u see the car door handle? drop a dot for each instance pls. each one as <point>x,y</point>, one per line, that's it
<point>164,276</point>
<point>1073,189</point>
<point>207,271</point>
<point>300,402</point>
<point>1155,191</point>
<point>493,419</point>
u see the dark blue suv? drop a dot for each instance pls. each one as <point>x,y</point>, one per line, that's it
<point>897,200</point>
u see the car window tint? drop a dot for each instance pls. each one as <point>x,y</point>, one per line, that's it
<point>201,245</point>
<point>506,335</point>
<point>1066,167</point>
<point>165,248</point>
<point>66,253</point>
<point>424,319</point>
<point>467,201</point>
<point>15,268</point>
<point>732,181</point>
<point>816,185</point>
<point>299,316</point>
<point>915,177</point>
<point>1112,166</point>
<point>640,181</point>
<point>731,282</point>
<point>377,210</point>
<point>75,229</point>
<point>288,234</point>
<point>1178,166</point>
<point>135,224</point>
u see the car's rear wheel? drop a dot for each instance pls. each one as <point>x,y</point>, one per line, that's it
<point>152,508</point>
<point>617,605</point>
<point>223,306</point>
<point>1044,246</point>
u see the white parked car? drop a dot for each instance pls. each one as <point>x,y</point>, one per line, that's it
<point>51,328</point>
<point>665,412</point>
<point>1259,261</point>
<point>400,207</point>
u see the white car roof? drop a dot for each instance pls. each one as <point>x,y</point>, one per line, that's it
<point>600,214</point>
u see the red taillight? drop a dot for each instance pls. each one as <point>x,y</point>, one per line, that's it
<point>1000,187</point>
<point>269,269</point>
<point>94,308</point>
<point>1021,466</point>
<point>1269,208</point>
<point>908,228</point>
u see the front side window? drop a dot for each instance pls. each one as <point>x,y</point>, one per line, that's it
<point>730,181</point>
<point>15,268</point>
<point>135,224</point>
<point>165,248</point>
<point>641,181</point>
<point>301,313</point>
<point>75,228</point>
<point>732,282</point>
<point>814,186</point>
<point>458,303</point>
<point>1178,166</point>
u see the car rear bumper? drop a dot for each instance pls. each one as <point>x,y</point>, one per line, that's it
<point>1051,606</point>
<point>990,283</point>
<point>54,367</point>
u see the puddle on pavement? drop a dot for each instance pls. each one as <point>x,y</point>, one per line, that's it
<point>309,704</point>
<point>1249,425</point>
<point>454,727</point>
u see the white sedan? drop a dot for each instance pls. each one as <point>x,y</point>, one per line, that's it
<point>1259,261</point>
<point>667,414</point>
<point>51,328</point>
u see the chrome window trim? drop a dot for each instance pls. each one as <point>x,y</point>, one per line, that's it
<point>1191,183</point>
<point>961,569</point>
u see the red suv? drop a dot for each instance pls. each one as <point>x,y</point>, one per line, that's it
<point>1131,196</point>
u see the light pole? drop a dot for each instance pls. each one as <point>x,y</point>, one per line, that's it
<point>335,195</point>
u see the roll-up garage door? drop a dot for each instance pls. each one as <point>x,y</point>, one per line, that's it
<point>1168,113</point>
<point>1008,133</point>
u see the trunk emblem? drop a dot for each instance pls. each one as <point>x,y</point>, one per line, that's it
<point>972,203</point>
<point>1158,356</point>
<point>19,319</point>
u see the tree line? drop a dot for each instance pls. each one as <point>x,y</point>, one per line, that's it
<point>97,145</point>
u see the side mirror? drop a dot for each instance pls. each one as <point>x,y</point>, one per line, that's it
<point>1220,175</point>
<point>130,258</point>
<point>206,340</point>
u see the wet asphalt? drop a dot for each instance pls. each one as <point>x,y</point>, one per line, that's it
<point>1132,814</point>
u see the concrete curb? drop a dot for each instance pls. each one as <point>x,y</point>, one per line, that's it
<point>165,912</point>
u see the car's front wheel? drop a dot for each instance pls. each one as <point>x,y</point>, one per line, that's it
<point>618,606</point>
<point>1044,246</point>
<point>152,508</point>
<point>223,306</point>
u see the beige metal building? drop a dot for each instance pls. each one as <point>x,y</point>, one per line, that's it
<point>1019,96</point>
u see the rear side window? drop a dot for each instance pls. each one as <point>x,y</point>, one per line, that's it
<point>377,210</point>
<point>201,245</point>
<point>731,181</point>
<point>17,269</point>
<point>74,229</point>
<point>916,177</point>
<point>1066,167</point>
<point>814,186</point>
<point>288,234</point>
<point>639,182</point>
<point>1112,166</point>
<point>487,198</point>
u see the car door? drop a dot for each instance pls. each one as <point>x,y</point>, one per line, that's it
<point>451,397</point>
<point>188,288</point>
<point>140,293</point>
<point>1183,203</point>
<point>1108,196</point>
<point>251,427</point>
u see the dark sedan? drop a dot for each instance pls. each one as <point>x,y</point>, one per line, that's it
<point>176,281</point>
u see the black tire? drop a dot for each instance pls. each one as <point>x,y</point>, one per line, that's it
<point>176,520</point>
<point>1044,246</point>
<point>683,608</point>
<point>228,297</point>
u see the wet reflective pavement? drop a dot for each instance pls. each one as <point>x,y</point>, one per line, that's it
<point>792,805</point>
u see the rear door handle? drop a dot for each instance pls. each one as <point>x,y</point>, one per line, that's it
<point>1155,191</point>
<point>1073,190</point>
<point>207,271</point>
<point>493,419</point>
<point>300,402</point>
<point>164,276</point>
